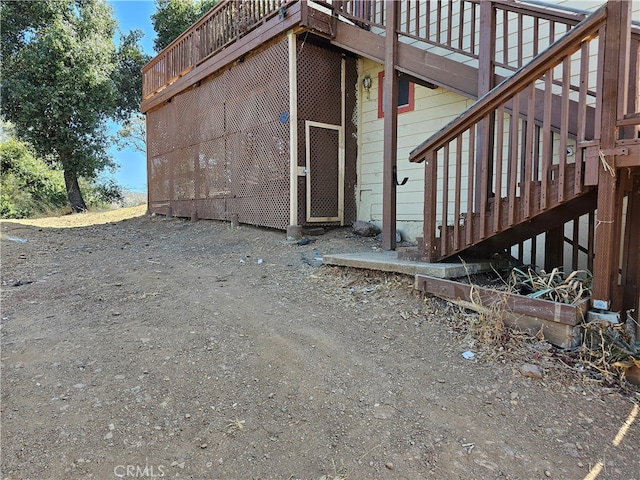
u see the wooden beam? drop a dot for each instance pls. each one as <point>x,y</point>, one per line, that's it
<point>608,228</point>
<point>253,40</point>
<point>518,82</point>
<point>293,129</point>
<point>422,66</point>
<point>519,304</point>
<point>390,147</point>
<point>486,128</point>
<point>631,252</point>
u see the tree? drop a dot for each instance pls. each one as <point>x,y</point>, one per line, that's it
<point>27,185</point>
<point>172,17</point>
<point>133,134</point>
<point>63,78</point>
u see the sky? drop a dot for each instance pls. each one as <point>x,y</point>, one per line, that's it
<point>133,15</point>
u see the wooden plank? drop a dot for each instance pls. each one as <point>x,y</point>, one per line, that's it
<point>422,65</point>
<point>486,81</point>
<point>430,246</point>
<point>528,156</point>
<point>468,227</point>
<point>293,129</point>
<point>530,72</point>
<point>497,203</point>
<point>608,229</point>
<point>512,176</point>
<point>458,188</point>
<point>444,237</point>
<point>632,158</point>
<point>518,304</point>
<point>253,40</point>
<point>540,222</point>
<point>390,127</point>
<point>547,138</point>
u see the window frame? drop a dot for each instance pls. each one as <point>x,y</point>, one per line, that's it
<point>409,107</point>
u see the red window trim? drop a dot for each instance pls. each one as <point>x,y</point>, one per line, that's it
<point>405,108</point>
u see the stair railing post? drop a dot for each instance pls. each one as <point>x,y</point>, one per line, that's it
<point>430,253</point>
<point>390,106</point>
<point>486,128</point>
<point>615,68</point>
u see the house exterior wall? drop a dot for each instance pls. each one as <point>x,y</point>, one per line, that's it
<point>433,109</point>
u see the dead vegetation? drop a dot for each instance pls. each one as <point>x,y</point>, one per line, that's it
<point>554,286</point>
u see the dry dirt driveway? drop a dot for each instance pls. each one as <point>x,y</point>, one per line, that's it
<point>150,347</point>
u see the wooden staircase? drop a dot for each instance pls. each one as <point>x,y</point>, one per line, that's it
<point>495,178</point>
<point>554,135</point>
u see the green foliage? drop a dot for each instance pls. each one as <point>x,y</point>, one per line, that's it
<point>28,186</point>
<point>101,193</point>
<point>127,75</point>
<point>173,17</point>
<point>63,78</point>
<point>133,134</point>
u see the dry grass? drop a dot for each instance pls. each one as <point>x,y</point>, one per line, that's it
<point>554,286</point>
<point>84,219</point>
<point>608,350</point>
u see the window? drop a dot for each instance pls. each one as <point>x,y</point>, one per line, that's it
<point>405,95</point>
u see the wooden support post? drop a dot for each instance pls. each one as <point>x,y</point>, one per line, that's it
<point>615,65</point>
<point>554,249</point>
<point>633,102</point>
<point>293,130</point>
<point>631,253</point>
<point>485,133</point>
<point>390,106</point>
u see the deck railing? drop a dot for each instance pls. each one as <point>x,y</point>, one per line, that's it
<point>525,168</point>
<point>223,25</point>
<point>523,30</point>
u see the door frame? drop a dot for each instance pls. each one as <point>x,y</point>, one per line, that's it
<point>341,167</point>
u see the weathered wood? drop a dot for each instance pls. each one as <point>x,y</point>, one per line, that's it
<point>412,61</point>
<point>518,82</point>
<point>430,245</point>
<point>517,304</point>
<point>390,146</point>
<point>255,39</point>
<point>609,199</point>
<point>486,81</point>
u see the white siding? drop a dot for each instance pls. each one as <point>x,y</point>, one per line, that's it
<point>433,109</point>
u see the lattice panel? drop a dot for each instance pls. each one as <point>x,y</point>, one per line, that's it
<point>230,143</point>
<point>184,174</point>
<point>215,172</point>
<point>324,172</point>
<point>351,140</point>
<point>185,128</point>
<point>158,132</point>
<point>319,100</point>
<point>209,115</point>
<point>160,187</point>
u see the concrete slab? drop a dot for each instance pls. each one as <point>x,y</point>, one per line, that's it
<point>388,262</point>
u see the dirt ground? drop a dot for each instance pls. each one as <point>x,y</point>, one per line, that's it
<point>151,347</point>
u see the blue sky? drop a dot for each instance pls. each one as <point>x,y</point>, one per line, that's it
<point>133,15</point>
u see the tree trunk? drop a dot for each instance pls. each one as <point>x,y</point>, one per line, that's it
<point>73,192</point>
